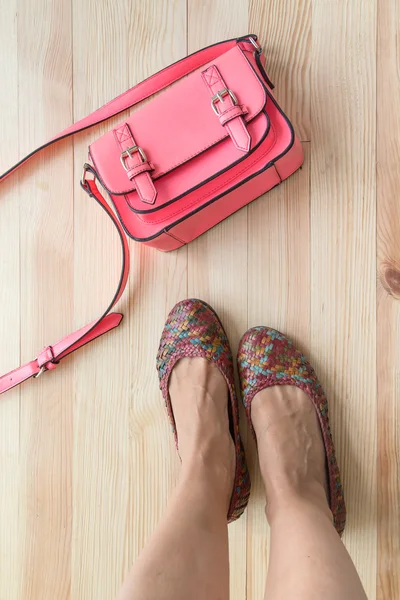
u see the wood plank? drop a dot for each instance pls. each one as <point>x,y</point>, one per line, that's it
<point>124,458</point>
<point>45,190</point>
<point>388,309</point>
<point>87,458</point>
<point>343,254</point>
<point>284,31</point>
<point>10,542</point>
<point>279,297</point>
<point>217,262</point>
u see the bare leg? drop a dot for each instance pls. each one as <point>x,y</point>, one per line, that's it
<point>308,561</point>
<point>187,557</point>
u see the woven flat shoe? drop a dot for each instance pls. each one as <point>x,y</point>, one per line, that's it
<point>194,330</point>
<point>267,358</point>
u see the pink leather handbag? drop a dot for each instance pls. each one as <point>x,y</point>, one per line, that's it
<point>195,154</point>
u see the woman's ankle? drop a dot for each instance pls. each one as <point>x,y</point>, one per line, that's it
<point>206,487</point>
<point>306,499</point>
<point>211,468</point>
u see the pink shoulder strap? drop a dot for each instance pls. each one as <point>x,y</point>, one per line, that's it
<point>50,357</point>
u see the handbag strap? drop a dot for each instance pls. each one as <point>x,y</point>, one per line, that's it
<point>49,358</point>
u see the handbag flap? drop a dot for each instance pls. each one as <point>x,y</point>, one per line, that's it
<point>180,123</point>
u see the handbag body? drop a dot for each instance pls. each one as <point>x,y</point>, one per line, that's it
<point>209,143</point>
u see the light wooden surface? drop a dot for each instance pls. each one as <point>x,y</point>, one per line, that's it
<point>87,458</point>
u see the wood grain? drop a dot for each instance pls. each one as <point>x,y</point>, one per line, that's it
<point>10,538</point>
<point>388,309</point>
<point>343,253</point>
<point>46,292</point>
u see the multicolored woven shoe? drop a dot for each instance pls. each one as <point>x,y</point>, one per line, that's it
<point>267,358</point>
<point>193,329</point>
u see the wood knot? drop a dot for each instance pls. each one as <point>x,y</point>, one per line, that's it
<point>390,279</point>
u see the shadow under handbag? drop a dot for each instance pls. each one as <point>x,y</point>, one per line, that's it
<point>199,151</point>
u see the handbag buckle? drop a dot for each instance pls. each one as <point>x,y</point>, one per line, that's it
<point>47,358</point>
<point>219,97</point>
<point>86,168</point>
<point>128,153</point>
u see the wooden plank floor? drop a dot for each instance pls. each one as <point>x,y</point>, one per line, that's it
<point>87,458</point>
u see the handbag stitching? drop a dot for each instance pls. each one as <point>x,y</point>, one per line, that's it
<point>202,183</point>
<point>217,188</point>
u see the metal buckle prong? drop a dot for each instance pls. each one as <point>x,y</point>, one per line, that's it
<point>128,153</point>
<point>219,97</point>
<point>256,45</point>
<point>42,370</point>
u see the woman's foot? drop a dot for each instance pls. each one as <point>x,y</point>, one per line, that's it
<point>195,369</point>
<point>199,398</point>
<point>287,411</point>
<point>290,447</point>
